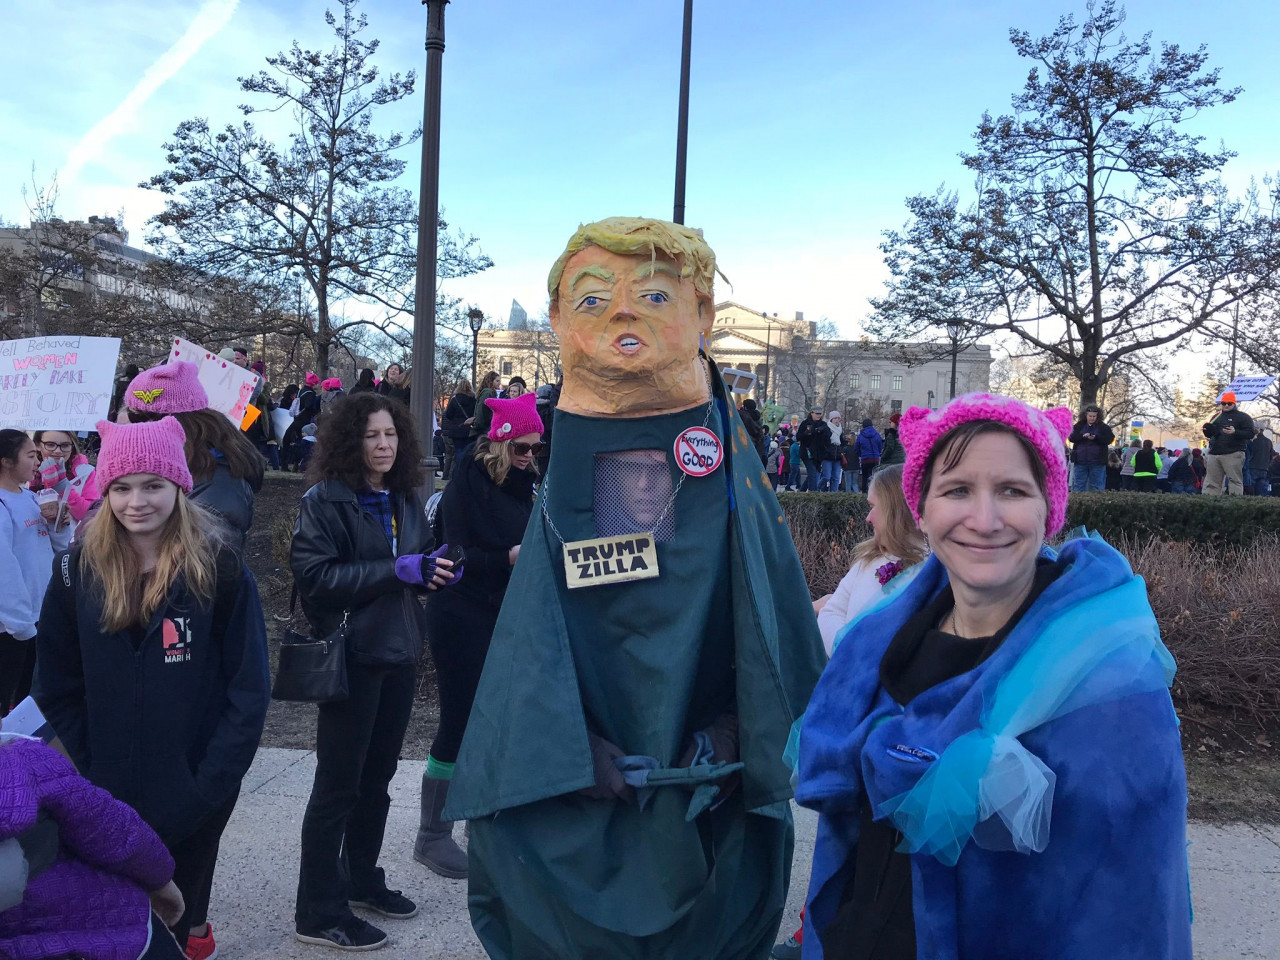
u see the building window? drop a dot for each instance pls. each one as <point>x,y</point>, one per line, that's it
<point>897,382</point>
<point>506,368</point>
<point>875,381</point>
<point>895,406</point>
<point>854,382</point>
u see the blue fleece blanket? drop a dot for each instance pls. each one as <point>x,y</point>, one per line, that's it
<point>1053,822</point>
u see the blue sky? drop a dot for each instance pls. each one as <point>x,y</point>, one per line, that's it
<point>810,122</point>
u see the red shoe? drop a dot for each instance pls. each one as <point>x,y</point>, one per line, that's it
<point>202,948</point>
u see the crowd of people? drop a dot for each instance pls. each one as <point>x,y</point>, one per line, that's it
<point>128,575</point>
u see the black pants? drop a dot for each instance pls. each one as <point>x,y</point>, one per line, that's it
<point>194,860</point>
<point>868,468</point>
<point>1144,484</point>
<point>357,748</point>
<point>459,633</point>
<point>163,946</point>
<point>17,662</point>
<point>449,453</point>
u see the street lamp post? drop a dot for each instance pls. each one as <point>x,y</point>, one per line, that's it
<point>682,123</point>
<point>422,397</point>
<point>475,317</point>
<point>955,330</point>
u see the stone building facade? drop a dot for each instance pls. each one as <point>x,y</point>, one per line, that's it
<point>795,370</point>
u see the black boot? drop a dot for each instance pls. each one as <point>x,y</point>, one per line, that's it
<point>435,848</point>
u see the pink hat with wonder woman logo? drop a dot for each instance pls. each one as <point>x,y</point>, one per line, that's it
<point>514,418</point>
<point>921,429</point>
<point>172,387</point>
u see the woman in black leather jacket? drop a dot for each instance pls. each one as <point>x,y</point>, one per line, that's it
<point>358,551</point>
<point>484,510</point>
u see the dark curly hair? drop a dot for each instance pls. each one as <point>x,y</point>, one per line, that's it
<point>339,453</point>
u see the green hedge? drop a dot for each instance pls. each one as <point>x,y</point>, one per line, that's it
<point>1222,521</point>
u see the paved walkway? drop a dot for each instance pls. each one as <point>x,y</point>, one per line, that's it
<point>1235,873</point>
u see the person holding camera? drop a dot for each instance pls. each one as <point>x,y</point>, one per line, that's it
<point>484,510</point>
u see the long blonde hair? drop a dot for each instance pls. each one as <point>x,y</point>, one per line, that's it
<point>496,456</point>
<point>188,549</point>
<point>896,533</point>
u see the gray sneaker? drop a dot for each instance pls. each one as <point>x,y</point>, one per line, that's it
<point>352,934</point>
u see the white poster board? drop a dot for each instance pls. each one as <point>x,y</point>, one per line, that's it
<point>229,387</point>
<point>1177,444</point>
<point>57,383</point>
<point>738,381</point>
<point>1248,388</point>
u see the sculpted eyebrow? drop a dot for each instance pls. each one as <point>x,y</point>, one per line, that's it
<point>600,273</point>
<point>656,266</point>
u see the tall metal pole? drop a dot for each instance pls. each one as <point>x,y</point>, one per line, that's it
<point>682,130</point>
<point>955,352</point>
<point>475,348</point>
<point>422,394</point>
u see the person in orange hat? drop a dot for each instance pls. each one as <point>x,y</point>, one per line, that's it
<point>1228,432</point>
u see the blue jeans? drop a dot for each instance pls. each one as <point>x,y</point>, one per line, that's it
<point>1177,486</point>
<point>831,471</point>
<point>1088,476</point>
<point>1261,485</point>
<point>849,483</point>
<point>811,474</point>
<point>793,478</point>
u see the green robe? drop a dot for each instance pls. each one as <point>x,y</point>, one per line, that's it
<point>727,625</point>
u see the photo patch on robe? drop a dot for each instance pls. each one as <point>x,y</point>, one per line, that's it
<point>633,493</point>
<point>591,563</point>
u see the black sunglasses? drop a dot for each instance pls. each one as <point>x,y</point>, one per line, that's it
<point>520,449</point>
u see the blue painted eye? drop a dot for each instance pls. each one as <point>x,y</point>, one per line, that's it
<point>590,301</point>
<point>656,297</point>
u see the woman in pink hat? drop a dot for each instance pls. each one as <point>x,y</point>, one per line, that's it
<point>226,468</point>
<point>152,603</point>
<point>484,510</point>
<point>995,758</point>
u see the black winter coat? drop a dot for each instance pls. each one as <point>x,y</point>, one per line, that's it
<point>1222,443</point>
<point>169,726</point>
<point>486,520</point>
<point>342,562</point>
<point>1090,443</point>
<point>814,437</point>
<point>460,407</point>
<point>231,499</point>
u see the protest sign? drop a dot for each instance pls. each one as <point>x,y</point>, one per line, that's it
<point>229,387</point>
<point>56,383</point>
<point>1248,388</point>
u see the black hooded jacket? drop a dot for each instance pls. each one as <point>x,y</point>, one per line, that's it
<point>1090,443</point>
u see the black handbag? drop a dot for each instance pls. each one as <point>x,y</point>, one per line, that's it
<point>311,670</point>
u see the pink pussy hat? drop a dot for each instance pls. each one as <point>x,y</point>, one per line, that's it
<point>514,418</point>
<point>172,387</point>
<point>154,447</point>
<point>921,429</point>
<point>311,379</point>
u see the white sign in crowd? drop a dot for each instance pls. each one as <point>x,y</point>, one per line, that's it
<point>57,383</point>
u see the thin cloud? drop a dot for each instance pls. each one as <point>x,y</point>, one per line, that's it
<point>212,17</point>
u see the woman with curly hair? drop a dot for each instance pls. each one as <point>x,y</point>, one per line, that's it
<point>359,556</point>
<point>225,465</point>
<point>484,510</point>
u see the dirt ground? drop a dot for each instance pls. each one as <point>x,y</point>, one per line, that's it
<point>1233,764</point>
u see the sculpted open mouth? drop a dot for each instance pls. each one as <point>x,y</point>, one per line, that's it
<point>628,344</point>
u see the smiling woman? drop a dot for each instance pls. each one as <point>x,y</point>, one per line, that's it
<point>1002,689</point>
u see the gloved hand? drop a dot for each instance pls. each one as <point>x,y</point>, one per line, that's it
<point>609,784</point>
<point>52,475</point>
<point>723,734</point>
<point>418,569</point>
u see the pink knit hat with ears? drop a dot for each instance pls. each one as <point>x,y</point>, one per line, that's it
<point>153,447</point>
<point>311,379</point>
<point>514,418</point>
<point>172,387</point>
<point>921,429</point>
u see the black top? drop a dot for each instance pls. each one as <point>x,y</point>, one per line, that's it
<point>486,520</point>
<point>460,407</point>
<point>1223,443</point>
<point>875,920</point>
<point>1090,442</point>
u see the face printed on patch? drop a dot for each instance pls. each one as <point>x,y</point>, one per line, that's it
<point>629,330</point>
<point>632,489</point>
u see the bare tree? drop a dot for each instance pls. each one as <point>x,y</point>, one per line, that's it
<point>1098,216</point>
<point>320,208</point>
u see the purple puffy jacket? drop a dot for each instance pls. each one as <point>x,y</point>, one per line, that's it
<point>92,901</point>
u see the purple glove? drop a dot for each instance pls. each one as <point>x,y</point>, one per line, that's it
<point>456,569</point>
<point>53,475</point>
<point>417,569</point>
